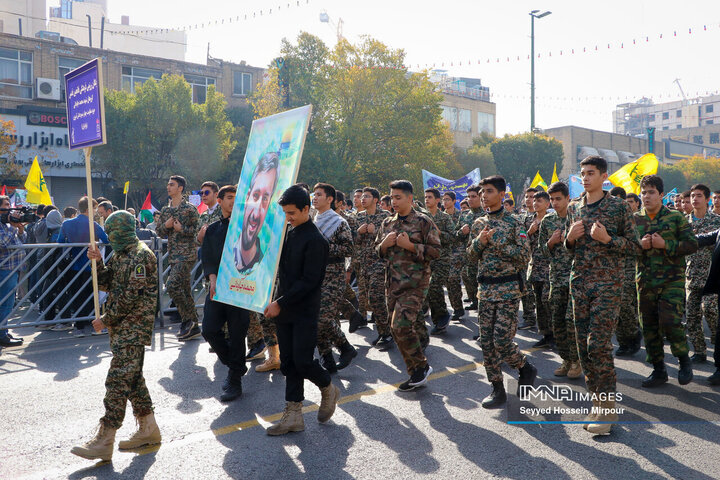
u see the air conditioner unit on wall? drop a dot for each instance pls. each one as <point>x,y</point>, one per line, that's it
<point>47,89</point>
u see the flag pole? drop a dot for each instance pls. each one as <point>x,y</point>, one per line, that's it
<point>91,220</point>
<point>125,201</point>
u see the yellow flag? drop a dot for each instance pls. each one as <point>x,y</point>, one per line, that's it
<point>37,191</point>
<point>629,176</point>
<point>538,181</point>
<point>127,187</point>
<point>554,177</point>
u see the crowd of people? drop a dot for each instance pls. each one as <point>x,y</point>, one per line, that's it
<point>584,269</point>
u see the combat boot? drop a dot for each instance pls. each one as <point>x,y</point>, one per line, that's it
<point>329,397</point>
<point>497,397</point>
<point>714,379</point>
<point>685,372</point>
<point>636,344</point>
<point>594,412</point>
<point>328,362</point>
<point>657,377</point>
<point>575,370</point>
<point>147,433</point>
<point>607,416</point>
<point>291,421</point>
<point>563,369</point>
<point>528,374</point>
<point>347,353</point>
<point>272,362</point>
<point>458,315</point>
<point>356,321</point>
<point>623,350</point>
<point>101,446</point>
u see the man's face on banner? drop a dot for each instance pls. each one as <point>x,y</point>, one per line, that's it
<point>257,203</point>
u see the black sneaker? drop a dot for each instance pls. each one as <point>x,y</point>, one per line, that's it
<point>357,321</point>
<point>436,330</point>
<point>443,322</point>
<point>328,363</point>
<point>347,353</point>
<point>185,328</point>
<point>256,351</point>
<point>458,315</point>
<point>527,326</point>
<point>193,333</point>
<point>418,378</point>
<point>623,351</point>
<point>384,342</point>
<point>545,342</point>
<point>699,358</point>
<point>233,391</point>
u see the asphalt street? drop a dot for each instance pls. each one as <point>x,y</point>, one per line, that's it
<point>52,390</point>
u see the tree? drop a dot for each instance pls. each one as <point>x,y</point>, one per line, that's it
<point>158,131</point>
<point>10,173</point>
<point>672,177</point>
<point>699,169</point>
<point>372,122</point>
<point>477,157</point>
<point>519,157</point>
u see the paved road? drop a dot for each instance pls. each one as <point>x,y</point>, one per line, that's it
<point>52,398</point>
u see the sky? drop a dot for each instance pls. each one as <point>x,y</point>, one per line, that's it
<point>571,89</point>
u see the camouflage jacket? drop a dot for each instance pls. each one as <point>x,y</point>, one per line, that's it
<point>407,271</point>
<point>593,260</point>
<point>181,245</point>
<point>539,267</point>
<point>365,243</point>
<point>467,217</point>
<point>658,267</point>
<point>341,243</point>
<point>698,263</point>
<point>446,226</point>
<point>131,279</point>
<point>503,259</point>
<point>560,258</point>
<point>206,218</point>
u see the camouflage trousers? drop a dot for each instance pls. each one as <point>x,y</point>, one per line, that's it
<point>178,288</point>
<point>350,303</point>
<point>695,308</point>
<point>331,298</point>
<point>498,324</point>
<point>562,323</point>
<point>371,283</point>
<point>125,382</point>
<point>261,328</point>
<point>595,311</point>
<point>404,314</point>
<point>541,290</point>
<point>469,277</point>
<point>436,295</point>
<point>454,286</point>
<point>661,315</point>
<point>628,325</point>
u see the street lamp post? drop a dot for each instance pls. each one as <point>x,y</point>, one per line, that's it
<point>533,16</point>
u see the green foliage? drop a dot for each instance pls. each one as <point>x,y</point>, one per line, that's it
<point>701,170</point>
<point>672,177</point>
<point>10,172</point>
<point>158,131</point>
<point>519,157</point>
<point>477,156</point>
<point>372,122</point>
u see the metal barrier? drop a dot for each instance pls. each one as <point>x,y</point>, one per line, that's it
<point>49,291</point>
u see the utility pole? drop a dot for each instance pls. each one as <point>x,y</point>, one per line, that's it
<point>533,16</point>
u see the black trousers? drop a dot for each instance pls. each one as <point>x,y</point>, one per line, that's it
<point>716,355</point>
<point>230,352</point>
<point>297,339</point>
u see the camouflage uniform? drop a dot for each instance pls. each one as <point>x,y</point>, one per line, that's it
<point>698,267</point>
<point>457,262</point>
<point>628,325</point>
<point>539,276</point>
<point>182,255</point>
<point>560,308</point>
<point>350,303</point>
<point>130,278</point>
<point>370,271</point>
<point>440,267</point>
<point>595,285</point>
<point>255,332</point>
<point>333,286</point>
<point>469,273</point>
<point>528,300</point>
<point>261,329</point>
<point>407,280</point>
<point>206,218</point>
<point>501,284</point>
<point>661,282</point>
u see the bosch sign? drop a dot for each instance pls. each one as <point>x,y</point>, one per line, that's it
<point>47,119</point>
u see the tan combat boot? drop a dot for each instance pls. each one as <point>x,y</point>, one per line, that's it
<point>147,433</point>
<point>575,370</point>
<point>329,399</point>
<point>291,421</point>
<point>101,446</point>
<point>607,415</point>
<point>593,413</point>
<point>272,362</point>
<point>562,370</point>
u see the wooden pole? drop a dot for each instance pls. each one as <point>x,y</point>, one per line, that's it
<point>91,219</point>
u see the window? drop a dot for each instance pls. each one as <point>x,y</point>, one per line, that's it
<point>486,123</point>
<point>678,126</point>
<point>715,138</point>
<point>66,65</point>
<point>708,109</point>
<point>651,117</point>
<point>464,120</point>
<point>199,87</point>
<point>666,127</point>
<point>666,115</point>
<point>134,76</point>
<point>450,115</point>
<point>678,114</point>
<point>242,83</point>
<point>698,139</point>
<point>709,122</point>
<point>16,73</point>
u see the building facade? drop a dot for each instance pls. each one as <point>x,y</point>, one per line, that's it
<point>635,118</point>
<point>31,95</point>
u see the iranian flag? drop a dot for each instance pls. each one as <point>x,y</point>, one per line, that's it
<point>147,210</point>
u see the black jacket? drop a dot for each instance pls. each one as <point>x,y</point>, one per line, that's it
<point>212,247</point>
<point>302,270</point>
<point>712,284</point>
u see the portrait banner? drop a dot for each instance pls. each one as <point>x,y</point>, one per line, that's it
<point>430,180</point>
<point>246,277</point>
